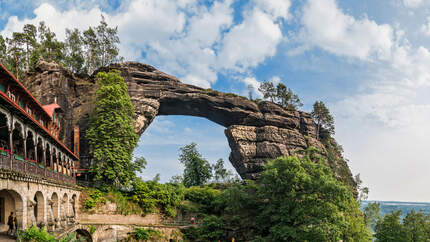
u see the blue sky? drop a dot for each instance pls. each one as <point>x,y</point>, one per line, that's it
<point>369,61</point>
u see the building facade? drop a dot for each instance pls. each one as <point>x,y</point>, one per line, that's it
<point>37,171</point>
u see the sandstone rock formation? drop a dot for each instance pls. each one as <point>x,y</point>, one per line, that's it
<point>256,132</point>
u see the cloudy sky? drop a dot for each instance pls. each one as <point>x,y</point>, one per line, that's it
<point>369,61</point>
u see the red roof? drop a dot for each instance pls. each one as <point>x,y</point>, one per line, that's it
<point>50,108</point>
<point>25,90</point>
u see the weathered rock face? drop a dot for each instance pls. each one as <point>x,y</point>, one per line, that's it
<point>256,132</point>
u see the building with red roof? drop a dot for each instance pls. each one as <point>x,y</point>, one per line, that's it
<point>29,134</point>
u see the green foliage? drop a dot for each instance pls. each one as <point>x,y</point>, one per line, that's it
<point>111,136</point>
<point>36,234</point>
<point>80,52</point>
<point>204,196</point>
<point>417,226</point>
<point>221,174</point>
<point>414,227</point>
<point>390,228</point>
<point>41,235</point>
<point>143,234</point>
<point>94,197</point>
<point>280,94</point>
<point>293,200</point>
<point>92,229</point>
<point>151,195</point>
<point>306,203</point>
<point>322,117</point>
<point>197,170</point>
<point>372,214</point>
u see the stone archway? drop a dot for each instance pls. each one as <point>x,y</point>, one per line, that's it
<point>83,235</point>
<point>39,208</point>
<point>11,201</point>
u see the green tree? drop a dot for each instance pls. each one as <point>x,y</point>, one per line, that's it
<point>372,214</point>
<point>268,90</point>
<point>390,229</point>
<point>16,53</point>
<point>50,48</point>
<point>111,136</point>
<point>323,118</point>
<point>416,227</point>
<point>197,170</point>
<point>286,98</point>
<point>3,50</point>
<point>30,35</point>
<point>220,172</point>
<point>74,59</point>
<point>303,201</point>
<point>91,50</point>
<point>108,41</point>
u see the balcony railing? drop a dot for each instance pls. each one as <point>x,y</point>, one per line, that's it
<point>30,168</point>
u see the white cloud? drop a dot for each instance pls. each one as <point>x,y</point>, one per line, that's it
<point>250,43</point>
<point>185,38</point>
<point>425,28</point>
<point>56,20</point>
<point>384,125</point>
<point>275,8</point>
<point>327,27</point>
<point>254,84</point>
<point>412,3</point>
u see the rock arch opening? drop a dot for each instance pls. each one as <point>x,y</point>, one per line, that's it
<point>161,142</point>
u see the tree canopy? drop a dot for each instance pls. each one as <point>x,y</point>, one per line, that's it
<point>80,52</point>
<point>280,94</point>
<point>111,136</point>
<point>197,170</point>
<point>323,118</point>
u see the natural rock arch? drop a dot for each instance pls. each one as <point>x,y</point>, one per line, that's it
<point>256,131</point>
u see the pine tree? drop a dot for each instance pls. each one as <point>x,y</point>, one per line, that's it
<point>108,40</point>
<point>74,59</point>
<point>286,98</point>
<point>92,50</point>
<point>323,118</point>
<point>111,136</point>
<point>3,50</point>
<point>268,90</point>
<point>30,34</point>
<point>16,53</point>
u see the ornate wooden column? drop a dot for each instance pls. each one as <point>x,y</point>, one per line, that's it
<point>11,140</point>
<point>25,144</point>
<point>44,158</point>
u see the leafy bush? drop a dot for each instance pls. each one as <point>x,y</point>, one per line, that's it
<point>204,196</point>
<point>36,234</point>
<point>142,234</point>
<point>94,197</point>
<point>151,195</point>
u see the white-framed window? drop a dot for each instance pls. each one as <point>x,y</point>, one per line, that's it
<point>29,111</point>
